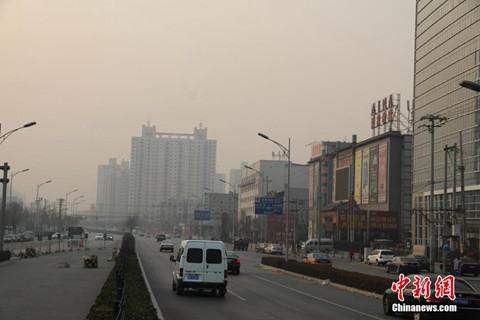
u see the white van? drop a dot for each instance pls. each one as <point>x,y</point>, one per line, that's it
<point>324,245</point>
<point>200,264</point>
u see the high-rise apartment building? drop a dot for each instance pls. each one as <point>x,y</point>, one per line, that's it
<point>112,190</point>
<point>447,121</point>
<point>168,167</point>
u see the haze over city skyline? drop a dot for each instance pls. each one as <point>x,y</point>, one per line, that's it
<point>91,73</point>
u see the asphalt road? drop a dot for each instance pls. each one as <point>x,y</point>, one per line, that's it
<point>257,293</point>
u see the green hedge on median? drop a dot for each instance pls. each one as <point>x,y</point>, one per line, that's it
<point>356,280</point>
<point>138,304</point>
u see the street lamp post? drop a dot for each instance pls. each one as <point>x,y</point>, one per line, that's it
<point>75,201</point>
<point>9,133</point>
<point>470,85</point>
<point>37,202</point>
<point>11,187</point>
<point>234,207</point>
<point>264,194</point>
<point>436,121</point>
<point>286,151</point>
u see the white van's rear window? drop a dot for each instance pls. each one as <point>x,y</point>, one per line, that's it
<point>214,256</point>
<point>195,255</point>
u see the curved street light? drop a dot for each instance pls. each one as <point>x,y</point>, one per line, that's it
<point>470,85</point>
<point>286,151</point>
<point>11,185</point>
<point>265,194</point>
<point>9,133</point>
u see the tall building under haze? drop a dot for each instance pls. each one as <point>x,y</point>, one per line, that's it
<point>112,190</point>
<point>447,51</point>
<point>170,170</point>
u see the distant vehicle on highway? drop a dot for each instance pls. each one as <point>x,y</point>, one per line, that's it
<point>380,257</point>
<point>422,261</point>
<point>324,245</point>
<point>99,236</point>
<point>75,232</point>
<point>166,245</point>
<point>405,265</point>
<point>233,262</point>
<point>109,237</point>
<point>273,248</point>
<point>161,237</point>
<point>317,257</point>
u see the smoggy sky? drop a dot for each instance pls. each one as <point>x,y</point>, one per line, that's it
<point>92,72</point>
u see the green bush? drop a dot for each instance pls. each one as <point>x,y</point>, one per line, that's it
<point>138,304</point>
<point>370,283</point>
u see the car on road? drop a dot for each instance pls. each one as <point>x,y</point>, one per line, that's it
<point>273,248</point>
<point>403,264</point>
<point>99,236</point>
<point>469,266</point>
<point>109,236</point>
<point>317,258</point>
<point>466,300</point>
<point>233,261</point>
<point>166,245</point>
<point>260,247</point>
<point>380,257</point>
<point>161,237</point>
<point>422,261</point>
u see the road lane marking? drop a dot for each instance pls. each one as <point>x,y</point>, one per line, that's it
<point>314,297</point>
<point>236,295</point>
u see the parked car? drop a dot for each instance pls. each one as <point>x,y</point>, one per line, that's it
<point>466,299</point>
<point>233,262</point>
<point>166,245</point>
<point>403,264</point>
<point>380,257</point>
<point>469,266</point>
<point>273,248</point>
<point>317,257</point>
<point>260,247</point>
<point>99,236</point>
<point>422,261</point>
<point>8,238</point>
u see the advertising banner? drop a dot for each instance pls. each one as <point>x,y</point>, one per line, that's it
<point>382,172</point>
<point>365,176</point>
<point>358,176</point>
<point>373,196</point>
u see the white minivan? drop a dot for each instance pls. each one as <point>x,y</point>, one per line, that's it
<point>324,245</point>
<point>201,265</point>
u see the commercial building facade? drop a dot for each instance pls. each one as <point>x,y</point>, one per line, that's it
<point>446,120</point>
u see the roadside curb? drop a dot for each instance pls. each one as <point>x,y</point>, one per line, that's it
<point>323,282</point>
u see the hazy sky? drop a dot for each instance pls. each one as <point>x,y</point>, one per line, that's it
<point>92,72</point>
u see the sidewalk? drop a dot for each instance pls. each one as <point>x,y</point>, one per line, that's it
<point>53,286</point>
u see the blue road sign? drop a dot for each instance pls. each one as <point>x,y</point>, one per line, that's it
<point>201,215</point>
<point>268,205</point>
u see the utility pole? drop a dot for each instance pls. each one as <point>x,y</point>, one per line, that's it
<point>4,182</point>
<point>436,121</point>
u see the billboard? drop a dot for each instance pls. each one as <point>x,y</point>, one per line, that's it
<point>341,184</point>
<point>382,172</point>
<point>358,176</point>
<point>365,175</point>
<point>373,184</point>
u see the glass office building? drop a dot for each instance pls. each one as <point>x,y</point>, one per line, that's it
<point>447,118</point>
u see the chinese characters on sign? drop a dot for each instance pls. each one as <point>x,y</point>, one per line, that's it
<point>268,205</point>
